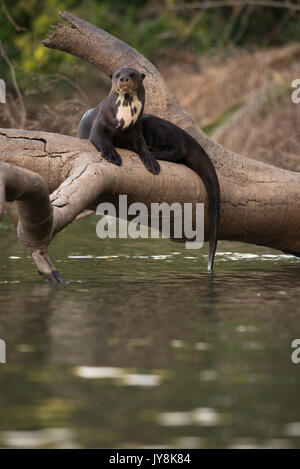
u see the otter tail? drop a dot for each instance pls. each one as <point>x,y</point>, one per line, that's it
<point>205,168</point>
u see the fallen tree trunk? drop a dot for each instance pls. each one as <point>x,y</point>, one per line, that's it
<point>259,202</point>
<point>265,212</point>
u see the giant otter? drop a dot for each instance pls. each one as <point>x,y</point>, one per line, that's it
<point>118,121</point>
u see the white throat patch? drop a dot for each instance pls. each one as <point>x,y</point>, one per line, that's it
<point>129,108</point>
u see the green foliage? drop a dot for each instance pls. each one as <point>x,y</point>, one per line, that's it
<point>148,26</point>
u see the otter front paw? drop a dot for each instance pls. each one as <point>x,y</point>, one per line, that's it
<point>151,164</point>
<point>112,157</point>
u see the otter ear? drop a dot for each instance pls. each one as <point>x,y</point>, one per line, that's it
<point>143,76</point>
<point>110,75</point>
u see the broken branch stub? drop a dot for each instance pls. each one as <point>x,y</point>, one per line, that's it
<point>35,227</point>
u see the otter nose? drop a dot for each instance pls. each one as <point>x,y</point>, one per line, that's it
<point>123,79</point>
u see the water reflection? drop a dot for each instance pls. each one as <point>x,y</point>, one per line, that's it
<point>142,348</point>
<point>61,438</point>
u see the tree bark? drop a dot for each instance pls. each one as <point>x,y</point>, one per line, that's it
<point>35,227</point>
<point>259,202</point>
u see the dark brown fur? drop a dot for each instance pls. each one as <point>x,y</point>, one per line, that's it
<point>152,138</point>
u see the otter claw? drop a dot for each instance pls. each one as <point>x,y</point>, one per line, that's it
<point>156,167</point>
<point>113,158</point>
<point>152,165</point>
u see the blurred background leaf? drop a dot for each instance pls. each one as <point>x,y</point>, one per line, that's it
<point>153,27</point>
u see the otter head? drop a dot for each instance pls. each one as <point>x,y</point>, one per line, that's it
<point>127,80</point>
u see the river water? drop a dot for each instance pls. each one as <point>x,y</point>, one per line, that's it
<point>142,349</point>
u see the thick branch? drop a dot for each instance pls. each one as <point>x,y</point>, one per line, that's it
<point>264,208</point>
<point>107,53</point>
<point>35,228</point>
